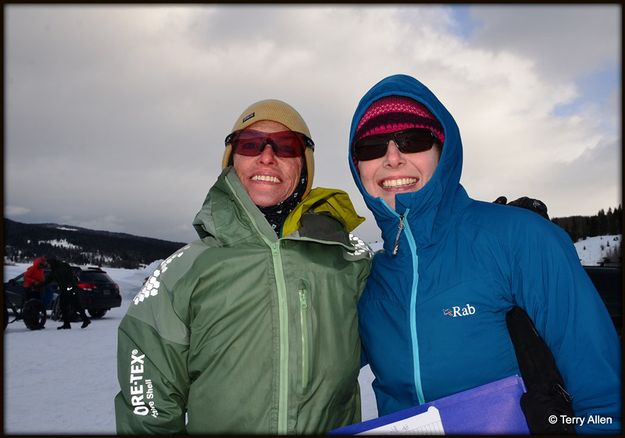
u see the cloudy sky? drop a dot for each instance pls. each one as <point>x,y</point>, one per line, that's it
<point>115,115</point>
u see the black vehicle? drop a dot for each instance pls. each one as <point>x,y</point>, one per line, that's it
<point>31,310</point>
<point>98,293</point>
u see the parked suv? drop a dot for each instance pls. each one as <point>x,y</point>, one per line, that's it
<point>98,293</point>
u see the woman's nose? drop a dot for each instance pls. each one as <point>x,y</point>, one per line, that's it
<point>267,155</point>
<point>393,156</point>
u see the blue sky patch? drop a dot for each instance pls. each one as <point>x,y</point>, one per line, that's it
<point>594,88</point>
<point>466,25</point>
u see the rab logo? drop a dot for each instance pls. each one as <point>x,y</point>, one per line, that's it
<point>457,311</point>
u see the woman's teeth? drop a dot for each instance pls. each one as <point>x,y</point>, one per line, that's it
<point>389,183</point>
<point>268,178</point>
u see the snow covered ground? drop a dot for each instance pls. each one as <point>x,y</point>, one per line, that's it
<point>592,250</point>
<point>64,382</point>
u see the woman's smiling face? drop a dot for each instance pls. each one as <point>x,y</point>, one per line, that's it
<point>267,178</point>
<point>398,172</point>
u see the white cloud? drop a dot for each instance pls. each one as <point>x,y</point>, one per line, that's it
<point>13,210</point>
<point>122,110</point>
<point>587,175</point>
<point>563,39</point>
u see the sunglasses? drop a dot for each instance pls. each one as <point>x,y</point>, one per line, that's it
<point>285,144</point>
<point>408,141</point>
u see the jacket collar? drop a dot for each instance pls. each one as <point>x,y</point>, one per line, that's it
<point>229,215</point>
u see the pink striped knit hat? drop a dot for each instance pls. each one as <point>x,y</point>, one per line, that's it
<point>396,113</point>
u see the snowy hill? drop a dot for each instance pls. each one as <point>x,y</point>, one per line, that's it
<point>593,250</point>
<point>76,245</point>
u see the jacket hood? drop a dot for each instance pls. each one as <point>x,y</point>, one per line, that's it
<point>425,208</point>
<point>229,215</point>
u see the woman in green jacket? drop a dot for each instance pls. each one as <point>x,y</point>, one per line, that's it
<point>252,328</point>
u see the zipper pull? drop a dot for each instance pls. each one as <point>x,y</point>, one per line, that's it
<point>399,230</point>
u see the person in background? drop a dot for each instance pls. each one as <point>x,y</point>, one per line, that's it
<point>433,314</point>
<point>34,278</point>
<point>253,328</point>
<point>62,273</point>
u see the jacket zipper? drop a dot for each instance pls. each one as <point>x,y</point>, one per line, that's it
<point>283,392</point>
<point>305,335</point>
<point>413,314</point>
<point>403,226</point>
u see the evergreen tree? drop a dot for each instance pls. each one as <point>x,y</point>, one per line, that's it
<point>602,223</point>
<point>580,227</point>
<point>609,216</point>
<point>594,226</point>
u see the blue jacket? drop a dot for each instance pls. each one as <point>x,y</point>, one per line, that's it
<point>433,316</point>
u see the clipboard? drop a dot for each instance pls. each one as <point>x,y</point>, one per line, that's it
<point>493,408</point>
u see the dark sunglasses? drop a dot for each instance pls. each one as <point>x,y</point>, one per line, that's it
<point>408,141</point>
<point>285,144</point>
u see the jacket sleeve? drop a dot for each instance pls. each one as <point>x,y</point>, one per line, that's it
<point>152,350</point>
<point>28,277</point>
<point>551,285</point>
<point>39,276</point>
<point>33,276</point>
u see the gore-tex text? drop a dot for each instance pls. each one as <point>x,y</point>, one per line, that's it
<point>139,385</point>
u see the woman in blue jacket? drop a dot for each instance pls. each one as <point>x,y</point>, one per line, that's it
<point>433,314</point>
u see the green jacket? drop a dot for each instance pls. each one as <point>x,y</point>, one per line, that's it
<point>244,332</point>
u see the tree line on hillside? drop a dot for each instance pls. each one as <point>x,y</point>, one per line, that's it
<point>600,224</point>
<point>81,246</point>
<point>126,258</point>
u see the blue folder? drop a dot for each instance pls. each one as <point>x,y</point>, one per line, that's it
<point>493,408</point>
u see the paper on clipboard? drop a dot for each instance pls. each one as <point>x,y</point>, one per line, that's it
<point>427,423</point>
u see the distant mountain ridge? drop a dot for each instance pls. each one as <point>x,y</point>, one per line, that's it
<point>82,246</point>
